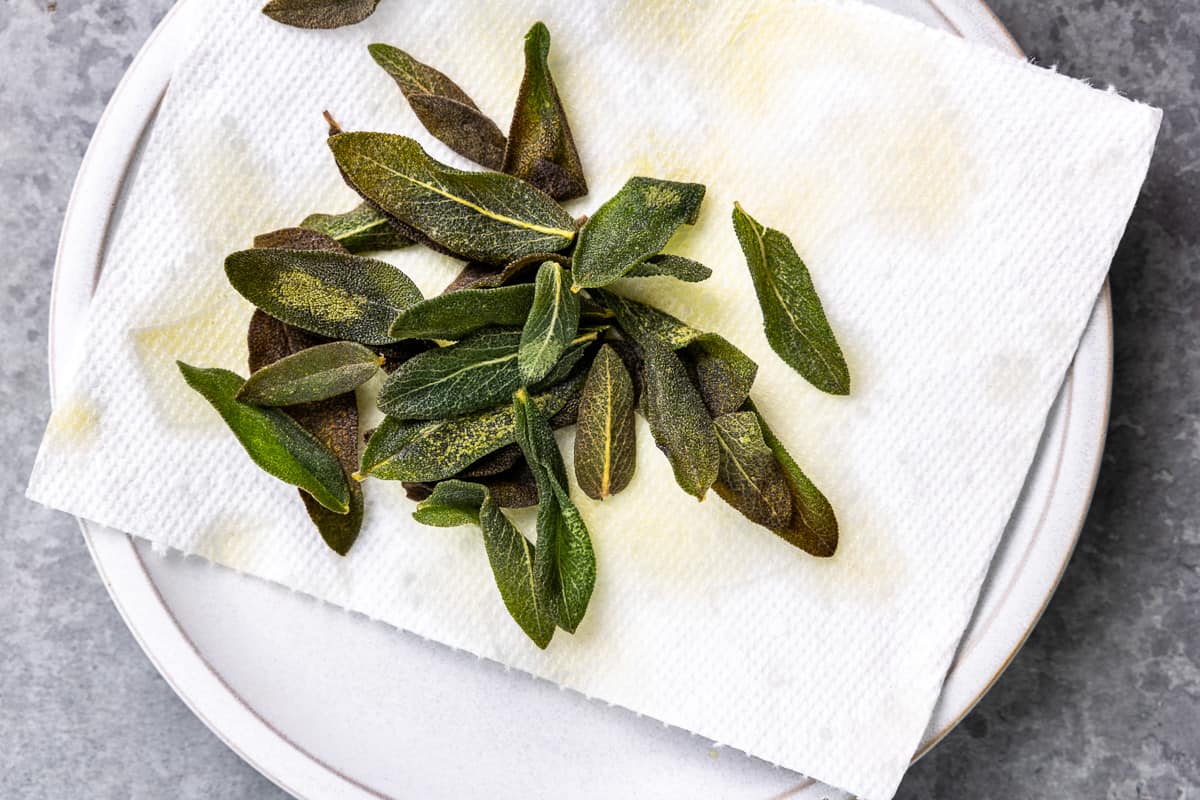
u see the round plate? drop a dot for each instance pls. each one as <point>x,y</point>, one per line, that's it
<point>329,704</point>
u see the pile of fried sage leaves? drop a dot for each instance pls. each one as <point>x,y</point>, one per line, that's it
<point>531,336</point>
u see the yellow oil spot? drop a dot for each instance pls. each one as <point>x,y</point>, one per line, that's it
<point>75,422</point>
<point>232,539</point>
<point>308,294</point>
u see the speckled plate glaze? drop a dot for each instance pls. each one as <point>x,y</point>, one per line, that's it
<point>329,704</point>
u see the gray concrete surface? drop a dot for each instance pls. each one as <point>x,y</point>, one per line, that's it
<point>1103,702</point>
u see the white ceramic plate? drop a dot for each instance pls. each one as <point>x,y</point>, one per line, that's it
<point>329,704</point>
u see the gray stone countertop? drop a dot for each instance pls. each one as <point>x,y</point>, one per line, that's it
<point>1104,700</point>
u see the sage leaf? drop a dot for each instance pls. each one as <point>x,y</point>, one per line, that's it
<point>564,565</point>
<point>514,488</point>
<point>362,229</point>
<point>509,553</point>
<point>540,148</point>
<point>316,373</point>
<point>485,276</point>
<point>813,526</point>
<point>443,107</point>
<point>433,450</point>
<point>478,216</point>
<point>749,477</point>
<point>453,316</point>
<point>640,321</point>
<point>551,325</point>
<point>337,295</point>
<point>477,373</point>
<point>334,422</point>
<point>632,227</point>
<point>793,318</point>
<point>297,239</point>
<point>273,440</point>
<point>678,419</point>
<point>678,267</point>
<point>605,444</point>
<point>319,13</point>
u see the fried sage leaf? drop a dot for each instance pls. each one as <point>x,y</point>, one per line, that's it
<point>541,149</point>
<point>750,478</point>
<point>437,449</point>
<point>678,267</point>
<point>334,422</point>
<point>640,320</point>
<point>323,14</point>
<point>632,227</point>
<point>605,444</point>
<point>510,554</point>
<point>813,526</point>
<point>272,439</point>
<point>551,325</point>
<point>443,107</point>
<point>359,230</point>
<point>313,374</point>
<point>298,239</point>
<point>564,565</point>
<point>485,276</point>
<point>453,316</point>
<point>479,216</point>
<point>793,318</point>
<point>678,419</point>
<point>477,373</point>
<point>337,295</point>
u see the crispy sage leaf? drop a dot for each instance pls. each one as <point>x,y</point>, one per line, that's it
<point>639,320</point>
<point>298,239</point>
<point>437,449</point>
<point>813,526</point>
<point>443,107</point>
<point>678,419</point>
<point>564,565</point>
<point>359,230</point>
<point>750,478</point>
<point>477,373</point>
<point>678,267</point>
<point>510,554</point>
<point>316,373</point>
<point>605,445</point>
<point>319,13</point>
<point>332,294</point>
<point>632,227</point>
<point>551,325</point>
<point>334,422</point>
<point>514,488</point>
<point>273,440</point>
<point>479,216</point>
<point>485,276</point>
<point>793,318</point>
<point>541,149</point>
<point>453,316</point>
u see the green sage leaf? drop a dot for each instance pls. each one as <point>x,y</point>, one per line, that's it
<point>297,239</point>
<point>437,449</point>
<point>443,107</point>
<point>509,553</point>
<point>323,14</point>
<point>540,148</point>
<point>477,373</point>
<point>316,373</point>
<point>632,227</point>
<point>793,318</point>
<point>678,267</point>
<point>453,316</point>
<point>334,422</point>
<point>362,229</point>
<point>750,478</point>
<point>564,564</point>
<point>640,320</point>
<point>485,276</point>
<point>272,439</point>
<point>813,526</point>
<point>479,216</point>
<point>678,419</point>
<point>332,294</point>
<point>551,325</point>
<point>605,443</point>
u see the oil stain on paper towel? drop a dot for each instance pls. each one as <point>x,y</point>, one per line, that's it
<point>76,422</point>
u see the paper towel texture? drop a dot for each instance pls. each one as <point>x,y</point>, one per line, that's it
<point>958,210</point>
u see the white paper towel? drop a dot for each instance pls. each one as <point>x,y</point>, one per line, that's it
<point>958,210</point>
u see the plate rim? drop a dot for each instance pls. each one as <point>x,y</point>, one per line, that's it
<point>94,197</point>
